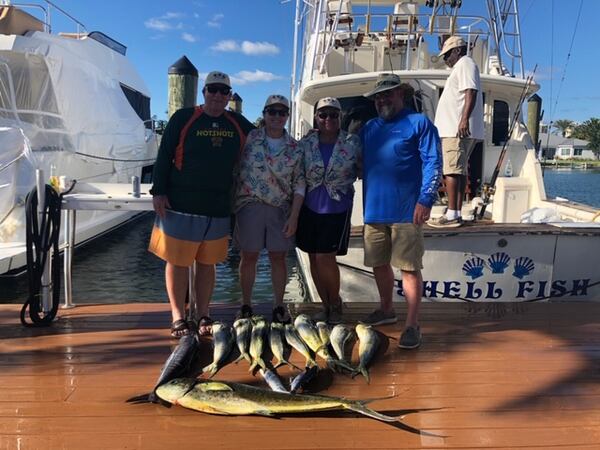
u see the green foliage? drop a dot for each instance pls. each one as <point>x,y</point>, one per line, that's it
<point>589,131</point>
<point>562,125</point>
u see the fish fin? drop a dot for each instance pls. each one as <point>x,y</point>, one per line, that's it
<point>239,358</point>
<point>262,364</point>
<point>362,409</point>
<point>292,365</point>
<point>339,365</point>
<point>213,386</point>
<point>280,363</point>
<point>264,412</point>
<point>211,369</point>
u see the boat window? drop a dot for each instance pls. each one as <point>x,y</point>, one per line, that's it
<point>139,102</point>
<point>108,41</point>
<point>500,126</point>
<point>26,91</point>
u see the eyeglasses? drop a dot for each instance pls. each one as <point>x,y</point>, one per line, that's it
<point>223,90</point>
<point>325,115</point>
<point>277,112</point>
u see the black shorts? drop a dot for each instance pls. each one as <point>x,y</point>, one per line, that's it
<point>323,233</point>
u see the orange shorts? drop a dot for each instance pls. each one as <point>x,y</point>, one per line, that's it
<point>181,238</point>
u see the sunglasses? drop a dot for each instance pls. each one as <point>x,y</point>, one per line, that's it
<point>277,112</point>
<point>325,115</point>
<point>223,90</point>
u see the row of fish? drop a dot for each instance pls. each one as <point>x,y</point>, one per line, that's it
<point>252,335</point>
<point>256,341</point>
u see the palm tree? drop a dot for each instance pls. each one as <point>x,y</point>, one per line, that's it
<point>563,125</point>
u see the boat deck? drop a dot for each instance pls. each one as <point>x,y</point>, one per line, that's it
<point>487,376</point>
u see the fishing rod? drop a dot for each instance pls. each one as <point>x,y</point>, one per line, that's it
<point>489,189</point>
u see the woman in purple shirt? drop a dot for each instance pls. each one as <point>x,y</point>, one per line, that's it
<point>331,164</point>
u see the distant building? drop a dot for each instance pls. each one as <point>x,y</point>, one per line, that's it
<point>555,146</point>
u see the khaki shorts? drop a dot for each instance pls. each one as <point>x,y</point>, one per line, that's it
<point>400,244</point>
<point>456,152</point>
<point>258,226</point>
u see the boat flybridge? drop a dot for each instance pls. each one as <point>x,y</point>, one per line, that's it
<point>340,49</point>
<point>72,105</point>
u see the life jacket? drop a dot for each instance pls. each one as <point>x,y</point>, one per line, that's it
<point>198,111</point>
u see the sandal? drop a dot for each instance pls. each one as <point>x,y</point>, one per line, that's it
<point>281,315</point>
<point>205,326</point>
<point>245,312</point>
<point>179,328</point>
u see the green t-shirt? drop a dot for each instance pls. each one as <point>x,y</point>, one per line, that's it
<point>211,148</point>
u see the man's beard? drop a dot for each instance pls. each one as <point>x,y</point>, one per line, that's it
<point>387,112</point>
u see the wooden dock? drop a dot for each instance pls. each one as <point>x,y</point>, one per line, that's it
<point>487,376</point>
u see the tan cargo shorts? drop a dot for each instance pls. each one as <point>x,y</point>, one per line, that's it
<point>400,244</point>
<point>456,152</point>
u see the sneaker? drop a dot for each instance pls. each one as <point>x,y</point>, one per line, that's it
<point>411,338</point>
<point>444,222</point>
<point>245,312</point>
<point>335,314</point>
<point>321,316</point>
<point>281,315</point>
<point>378,317</point>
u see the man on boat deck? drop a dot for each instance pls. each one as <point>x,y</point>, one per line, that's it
<point>459,120</point>
<point>402,165</point>
<point>192,194</point>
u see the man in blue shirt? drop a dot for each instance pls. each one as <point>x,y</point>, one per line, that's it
<point>402,165</point>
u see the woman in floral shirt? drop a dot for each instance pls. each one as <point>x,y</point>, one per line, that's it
<point>331,164</point>
<point>269,195</point>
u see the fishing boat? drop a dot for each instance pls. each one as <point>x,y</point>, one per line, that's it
<point>340,49</point>
<point>71,105</point>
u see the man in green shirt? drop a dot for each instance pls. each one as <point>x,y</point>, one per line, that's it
<point>192,192</point>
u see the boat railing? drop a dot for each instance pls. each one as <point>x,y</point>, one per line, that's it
<point>400,32</point>
<point>47,12</point>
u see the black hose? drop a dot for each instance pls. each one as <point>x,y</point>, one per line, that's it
<point>40,239</point>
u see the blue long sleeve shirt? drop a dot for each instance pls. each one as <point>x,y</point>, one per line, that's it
<point>402,166</point>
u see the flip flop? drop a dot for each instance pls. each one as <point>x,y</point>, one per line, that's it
<point>204,323</point>
<point>179,328</point>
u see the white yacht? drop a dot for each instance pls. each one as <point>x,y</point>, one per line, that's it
<point>72,105</point>
<point>340,49</point>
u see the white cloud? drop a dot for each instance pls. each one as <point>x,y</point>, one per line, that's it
<point>246,47</point>
<point>157,24</point>
<point>188,37</point>
<point>226,46</point>
<point>247,76</point>
<point>172,15</point>
<point>257,76</point>
<point>215,22</point>
<point>259,48</point>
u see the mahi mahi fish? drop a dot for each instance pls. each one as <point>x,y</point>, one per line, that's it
<point>179,362</point>
<point>309,334</point>
<point>223,344</point>
<point>227,398</point>
<point>279,346</point>
<point>294,339</point>
<point>367,347</point>
<point>257,342</point>
<point>243,328</point>
<point>341,339</point>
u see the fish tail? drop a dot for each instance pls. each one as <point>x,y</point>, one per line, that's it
<point>291,365</point>
<point>212,369</point>
<point>365,373</point>
<point>262,364</point>
<point>279,364</point>
<point>239,358</point>
<point>253,365</point>
<point>339,365</point>
<point>360,408</point>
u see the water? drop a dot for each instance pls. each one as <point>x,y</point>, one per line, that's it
<point>581,186</point>
<point>118,268</point>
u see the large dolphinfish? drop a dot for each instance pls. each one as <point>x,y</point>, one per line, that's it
<point>227,398</point>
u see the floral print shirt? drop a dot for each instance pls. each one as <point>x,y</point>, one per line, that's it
<point>269,176</point>
<point>344,166</point>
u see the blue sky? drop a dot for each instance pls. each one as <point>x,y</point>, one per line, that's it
<point>252,41</point>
